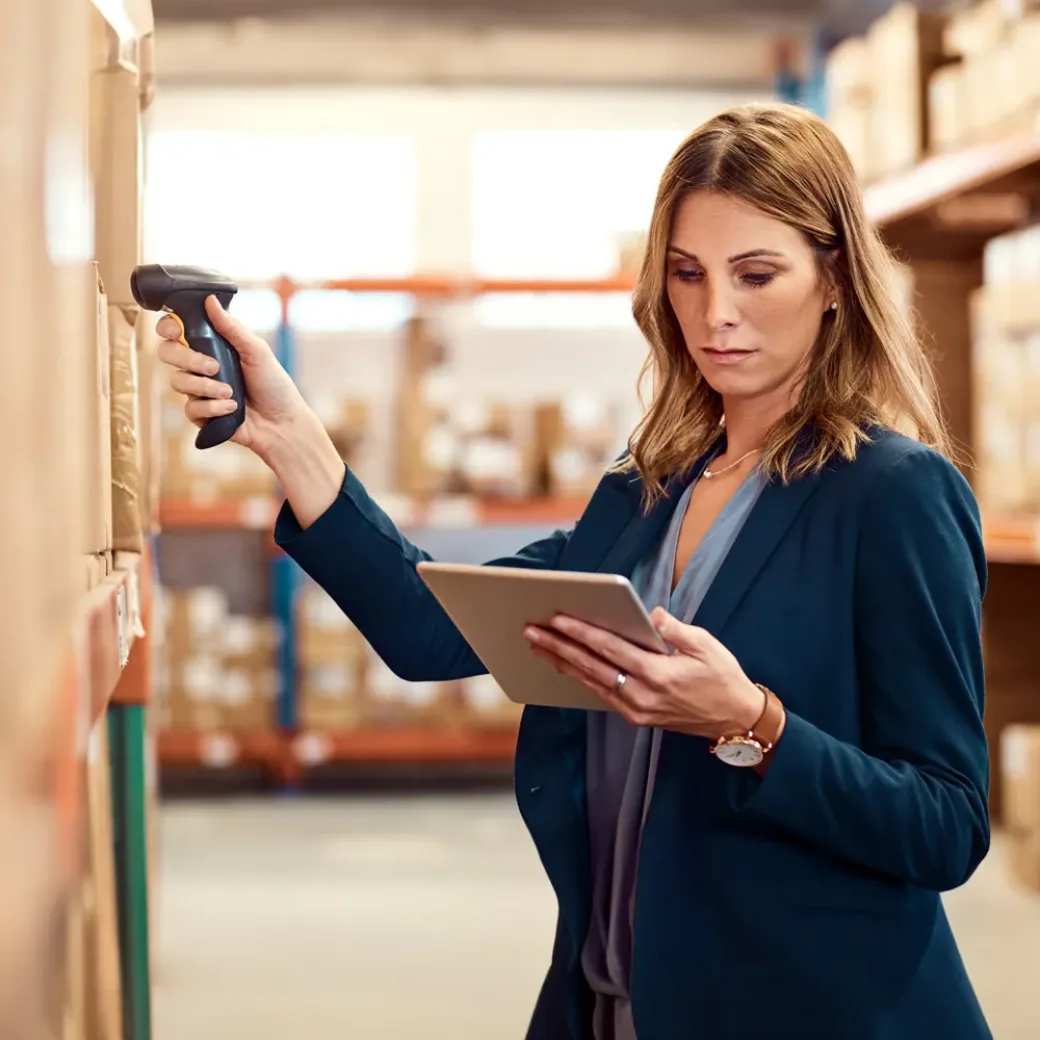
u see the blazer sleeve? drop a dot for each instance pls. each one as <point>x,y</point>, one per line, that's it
<point>911,801</point>
<point>354,552</point>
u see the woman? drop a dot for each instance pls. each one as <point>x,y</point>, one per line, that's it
<point>820,577</point>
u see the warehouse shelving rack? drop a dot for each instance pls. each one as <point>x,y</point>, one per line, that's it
<point>911,212</point>
<point>285,751</point>
<point>938,216</point>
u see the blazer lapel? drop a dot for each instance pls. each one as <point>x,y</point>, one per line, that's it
<point>768,522</point>
<point>642,528</point>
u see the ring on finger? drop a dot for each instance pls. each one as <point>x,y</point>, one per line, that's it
<point>619,682</point>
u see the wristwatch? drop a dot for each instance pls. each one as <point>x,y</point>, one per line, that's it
<point>746,750</point>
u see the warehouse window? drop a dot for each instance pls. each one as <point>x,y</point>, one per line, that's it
<point>555,204</point>
<point>257,206</point>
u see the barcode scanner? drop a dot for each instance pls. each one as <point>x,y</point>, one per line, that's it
<point>182,292</point>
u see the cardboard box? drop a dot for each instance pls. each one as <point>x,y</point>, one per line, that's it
<point>1025,59</point>
<point>1022,853</point>
<point>905,48</point>
<point>127,533</point>
<point>115,152</point>
<point>149,422</point>
<point>978,29</point>
<point>99,434</point>
<point>849,79</point>
<point>578,440</point>
<point>1020,762</point>
<point>947,104</point>
<point>486,706</point>
<point>852,124</point>
<point>331,696</point>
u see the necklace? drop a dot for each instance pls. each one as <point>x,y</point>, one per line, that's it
<point>709,473</point>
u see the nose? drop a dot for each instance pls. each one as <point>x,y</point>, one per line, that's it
<point>720,305</point>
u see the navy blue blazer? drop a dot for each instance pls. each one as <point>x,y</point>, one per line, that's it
<point>799,906</point>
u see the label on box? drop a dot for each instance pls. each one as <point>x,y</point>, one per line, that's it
<point>218,751</point>
<point>418,694</point>
<point>333,680</point>
<point>201,678</point>
<point>236,689</point>
<point>483,693</point>
<point>256,512</point>
<point>312,749</point>
<point>1014,751</point>
<point>383,684</point>
<point>239,635</point>
<point>207,610</point>
<point>456,512</point>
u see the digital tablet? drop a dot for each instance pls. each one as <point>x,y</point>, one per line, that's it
<point>491,606</point>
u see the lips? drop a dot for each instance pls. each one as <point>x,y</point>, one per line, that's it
<point>727,357</point>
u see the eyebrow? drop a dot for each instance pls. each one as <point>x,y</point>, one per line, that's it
<point>733,259</point>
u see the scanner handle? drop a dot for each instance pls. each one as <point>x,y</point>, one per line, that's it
<point>189,308</point>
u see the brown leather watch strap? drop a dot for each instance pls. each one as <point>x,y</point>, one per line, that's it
<point>771,722</point>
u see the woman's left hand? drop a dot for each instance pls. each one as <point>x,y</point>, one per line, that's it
<point>700,689</point>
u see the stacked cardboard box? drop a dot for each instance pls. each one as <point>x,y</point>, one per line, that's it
<point>98,534</point>
<point>331,657</point>
<point>1006,359</point>
<point>904,48</point>
<point>1020,757</point>
<point>227,472</point>
<point>344,685</point>
<point>850,100</point>
<point>486,706</point>
<point>219,669</point>
<point>992,86</point>
<point>578,439</point>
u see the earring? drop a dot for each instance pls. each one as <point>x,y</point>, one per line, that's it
<point>834,305</point>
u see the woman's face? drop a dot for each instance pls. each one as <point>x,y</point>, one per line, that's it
<point>747,294</point>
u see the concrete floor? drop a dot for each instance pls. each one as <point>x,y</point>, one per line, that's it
<point>422,918</point>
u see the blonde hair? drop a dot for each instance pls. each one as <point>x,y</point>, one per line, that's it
<point>867,367</point>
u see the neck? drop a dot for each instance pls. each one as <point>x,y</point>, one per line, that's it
<point>749,420</point>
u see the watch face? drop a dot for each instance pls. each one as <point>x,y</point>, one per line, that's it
<point>740,752</point>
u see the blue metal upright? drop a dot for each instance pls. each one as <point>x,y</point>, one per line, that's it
<point>285,575</point>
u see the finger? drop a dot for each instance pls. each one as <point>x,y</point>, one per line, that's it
<point>179,356</point>
<point>198,386</point>
<point>169,328</point>
<point>197,409</point>
<point>249,346</point>
<point>625,656</point>
<point>632,701</point>
<point>564,667</point>
<point>573,654</point>
<point>687,638</point>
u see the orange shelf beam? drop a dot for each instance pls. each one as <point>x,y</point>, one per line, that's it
<point>450,286</point>
<point>221,750</point>
<point>1012,539</point>
<point>259,513</point>
<point>944,177</point>
<point>285,754</point>
<point>404,745</point>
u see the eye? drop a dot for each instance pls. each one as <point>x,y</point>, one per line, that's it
<point>687,274</point>
<point>757,279</point>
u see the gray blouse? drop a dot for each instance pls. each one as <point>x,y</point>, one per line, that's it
<point>622,765</point>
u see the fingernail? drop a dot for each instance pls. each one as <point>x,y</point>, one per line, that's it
<point>532,635</point>
<point>230,406</point>
<point>212,367</point>
<point>564,624</point>
<point>225,390</point>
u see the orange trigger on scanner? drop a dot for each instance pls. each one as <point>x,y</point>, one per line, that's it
<point>181,323</point>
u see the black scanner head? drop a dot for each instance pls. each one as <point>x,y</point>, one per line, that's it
<point>152,285</point>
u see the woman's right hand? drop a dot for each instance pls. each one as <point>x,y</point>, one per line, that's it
<point>272,399</point>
